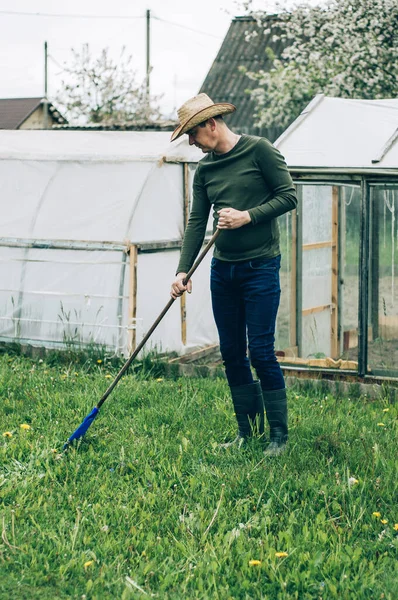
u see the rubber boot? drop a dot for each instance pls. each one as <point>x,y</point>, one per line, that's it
<point>249,410</point>
<point>275,403</point>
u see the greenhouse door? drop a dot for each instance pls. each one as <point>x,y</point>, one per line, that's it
<point>319,266</point>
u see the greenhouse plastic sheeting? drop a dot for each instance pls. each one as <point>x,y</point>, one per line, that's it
<point>91,201</point>
<point>72,203</point>
<point>345,133</point>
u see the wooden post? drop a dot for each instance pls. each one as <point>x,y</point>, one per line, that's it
<point>183,299</point>
<point>132,332</point>
<point>335,283</point>
<point>183,307</point>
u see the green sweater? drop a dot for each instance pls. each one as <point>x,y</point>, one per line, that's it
<point>252,176</point>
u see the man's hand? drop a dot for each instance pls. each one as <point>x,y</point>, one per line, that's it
<point>178,288</point>
<point>230,218</point>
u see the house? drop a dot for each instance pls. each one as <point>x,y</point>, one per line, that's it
<point>248,45</point>
<point>28,113</point>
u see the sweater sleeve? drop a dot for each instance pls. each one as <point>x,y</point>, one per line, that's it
<point>196,228</point>
<point>277,178</point>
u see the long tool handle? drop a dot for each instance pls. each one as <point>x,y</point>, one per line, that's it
<point>156,323</point>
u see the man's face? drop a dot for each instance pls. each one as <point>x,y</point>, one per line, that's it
<point>202,137</point>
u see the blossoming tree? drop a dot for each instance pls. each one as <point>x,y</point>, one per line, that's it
<point>343,48</point>
<point>100,90</point>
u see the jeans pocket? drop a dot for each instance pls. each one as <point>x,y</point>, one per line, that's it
<point>264,264</point>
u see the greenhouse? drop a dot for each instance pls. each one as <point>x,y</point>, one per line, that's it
<point>89,241</point>
<point>92,226</point>
<point>339,308</point>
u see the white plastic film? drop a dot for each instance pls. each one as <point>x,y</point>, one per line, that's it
<point>316,335</point>
<point>317,213</point>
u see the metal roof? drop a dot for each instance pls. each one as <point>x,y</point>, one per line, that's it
<point>226,83</point>
<point>338,133</point>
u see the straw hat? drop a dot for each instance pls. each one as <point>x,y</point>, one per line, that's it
<point>199,109</point>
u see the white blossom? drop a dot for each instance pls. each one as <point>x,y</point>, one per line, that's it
<point>345,48</point>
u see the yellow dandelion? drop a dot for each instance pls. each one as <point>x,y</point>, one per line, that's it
<point>25,426</point>
<point>376,514</point>
<point>99,361</point>
<point>7,434</point>
<point>88,564</point>
<point>386,409</point>
<point>380,425</point>
<point>108,376</point>
<point>54,450</point>
<point>159,379</point>
<point>254,563</point>
<point>384,521</point>
<point>281,554</point>
<point>396,526</point>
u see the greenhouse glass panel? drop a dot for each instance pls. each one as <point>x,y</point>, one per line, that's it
<point>316,281</point>
<point>349,243</point>
<point>285,323</point>
<point>326,271</point>
<point>383,282</point>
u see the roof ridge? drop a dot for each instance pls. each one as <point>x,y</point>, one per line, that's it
<point>24,98</point>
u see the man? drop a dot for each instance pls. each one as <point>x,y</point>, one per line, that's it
<point>244,179</point>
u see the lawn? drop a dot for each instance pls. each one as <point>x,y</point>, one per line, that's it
<point>148,505</point>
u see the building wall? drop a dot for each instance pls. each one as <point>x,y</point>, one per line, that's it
<point>36,120</point>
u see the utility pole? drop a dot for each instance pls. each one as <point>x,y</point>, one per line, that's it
<point>148,61</point>
<point>45,104</point>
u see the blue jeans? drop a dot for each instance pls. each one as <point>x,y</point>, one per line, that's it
<point>245,298</point>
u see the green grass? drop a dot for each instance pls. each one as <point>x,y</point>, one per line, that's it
<point>148,497</point>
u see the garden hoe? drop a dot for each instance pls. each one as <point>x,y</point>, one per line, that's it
<point>86,423</point>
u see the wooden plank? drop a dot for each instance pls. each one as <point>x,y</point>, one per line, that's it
<point>316,309</point>
<point>132,332</point>
<point>183,309</point>
<point>334,342</point>
<point>185,179</point>
<point>350,337</point>
<point>316,245</point>
<point>388,327</point>
<point>291,351</point>
<point>159,246</point>
<point>43,244</point>
<point>163,246</point>
<point>185,208</point>
<point>293,282</point>
<point>196,354</point>
<point>323,363</point>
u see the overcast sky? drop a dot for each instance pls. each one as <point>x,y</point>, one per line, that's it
<point>180,56</point>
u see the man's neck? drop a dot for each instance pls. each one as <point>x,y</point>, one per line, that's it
<point>227,142</point>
